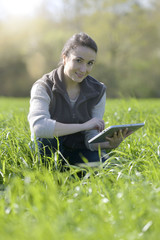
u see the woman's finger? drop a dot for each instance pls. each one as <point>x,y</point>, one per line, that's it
<point>120,135</point>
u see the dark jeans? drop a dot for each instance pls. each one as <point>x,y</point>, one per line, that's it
<point>73,156</point>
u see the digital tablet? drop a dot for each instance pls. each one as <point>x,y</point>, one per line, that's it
<point>108,132</point>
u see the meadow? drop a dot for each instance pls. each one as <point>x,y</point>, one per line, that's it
<point>120,201</point>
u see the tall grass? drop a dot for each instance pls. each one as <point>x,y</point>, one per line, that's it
<point>120,201</point>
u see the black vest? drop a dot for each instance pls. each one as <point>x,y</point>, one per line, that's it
<point>60,107</point>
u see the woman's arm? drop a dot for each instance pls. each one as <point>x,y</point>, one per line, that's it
<point>42,126</point>
<point>110,143</point>
<point>62,129</point>
<point>97,112</point>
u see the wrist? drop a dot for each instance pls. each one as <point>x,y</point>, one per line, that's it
<point>83,126</point>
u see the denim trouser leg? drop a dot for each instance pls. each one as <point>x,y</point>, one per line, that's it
<point>47,146</point>
<point>81,155</point>
<point>73,156</point>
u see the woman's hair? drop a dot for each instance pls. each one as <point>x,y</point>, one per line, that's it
<point>79,39</point>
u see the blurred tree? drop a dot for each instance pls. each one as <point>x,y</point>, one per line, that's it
<point>126,43</point>
<point>126,32</point>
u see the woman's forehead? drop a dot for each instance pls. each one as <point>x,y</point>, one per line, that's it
<point>84,52</point>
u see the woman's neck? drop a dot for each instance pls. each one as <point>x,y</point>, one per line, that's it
<point>73,90</point>
<point>72,87</point>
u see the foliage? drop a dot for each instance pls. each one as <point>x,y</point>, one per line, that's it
<point>127,35</point>
<point>119,201</point>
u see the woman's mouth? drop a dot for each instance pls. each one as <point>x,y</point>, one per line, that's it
<point>79,75</point>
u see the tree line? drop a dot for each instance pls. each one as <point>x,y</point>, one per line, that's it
<point>127,35</point>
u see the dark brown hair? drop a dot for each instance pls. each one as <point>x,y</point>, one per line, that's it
<point>78,39</point>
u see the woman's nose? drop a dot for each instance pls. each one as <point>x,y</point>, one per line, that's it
<point>83,68</point>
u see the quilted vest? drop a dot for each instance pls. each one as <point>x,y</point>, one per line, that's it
<point>61,109</point>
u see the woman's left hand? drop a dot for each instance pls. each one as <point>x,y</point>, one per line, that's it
<point>117,138</point>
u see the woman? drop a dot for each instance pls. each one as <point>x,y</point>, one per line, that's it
<point>68,104</point>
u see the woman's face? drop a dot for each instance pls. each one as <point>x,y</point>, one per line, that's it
<point>79,63</point>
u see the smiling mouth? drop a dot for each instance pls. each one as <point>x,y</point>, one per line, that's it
<point>80,75</point>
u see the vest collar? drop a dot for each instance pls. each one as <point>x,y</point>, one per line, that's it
<point>87,90</point>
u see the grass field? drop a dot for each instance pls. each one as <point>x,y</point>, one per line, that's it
<point>121,201</point>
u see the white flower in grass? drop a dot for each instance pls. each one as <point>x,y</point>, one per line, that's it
<point>119,195</point>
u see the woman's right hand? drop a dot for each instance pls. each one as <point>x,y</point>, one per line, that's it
<point>63,129</point>
<point>94,123</point>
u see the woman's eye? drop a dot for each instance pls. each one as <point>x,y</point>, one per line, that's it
<point>90,63</point>
<point>78,60</point>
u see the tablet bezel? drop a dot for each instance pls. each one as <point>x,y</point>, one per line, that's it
<point>108,132</point>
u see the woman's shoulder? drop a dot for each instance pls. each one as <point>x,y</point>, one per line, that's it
<point>93,83</point>
<point>38,90</point>
<point>44,84</point>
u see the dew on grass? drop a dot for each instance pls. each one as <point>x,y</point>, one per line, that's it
<point>147,226</point>
<point>158,151</point>
<point>70,200</point>
<point>157,189</point>
<point>119,195</point>
<point>77,188</point>
<point>138,174</point>
<point>90,190</point>
<point>119,174</point>
<point>75,195</point>
<point>1,174</point>
<point>130,169</point>
<point>128,194</point>
<point>102,195</point>
<point>7,135</point>
<point>81,209</point>
<point>24,162</point>
<point>105,200</point>
<point>16,207</point>
<point>121,214</point>
<point>27,180</point>
<point>7,210</point>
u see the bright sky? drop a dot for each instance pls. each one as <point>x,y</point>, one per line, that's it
<point>18,7</point>
<point>27,7</point>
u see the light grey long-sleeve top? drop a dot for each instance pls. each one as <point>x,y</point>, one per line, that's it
<point>41,124</point>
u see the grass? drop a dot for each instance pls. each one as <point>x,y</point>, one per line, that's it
<point>121,201</point>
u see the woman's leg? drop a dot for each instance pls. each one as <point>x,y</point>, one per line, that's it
<point>46,146</point>
<point>81,156</point>
<point>49,152</point>
<point>74,156</point>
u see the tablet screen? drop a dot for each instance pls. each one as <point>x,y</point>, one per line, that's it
<point>108,132</point>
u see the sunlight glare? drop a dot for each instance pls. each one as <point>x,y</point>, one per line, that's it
<point>20,7</point>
